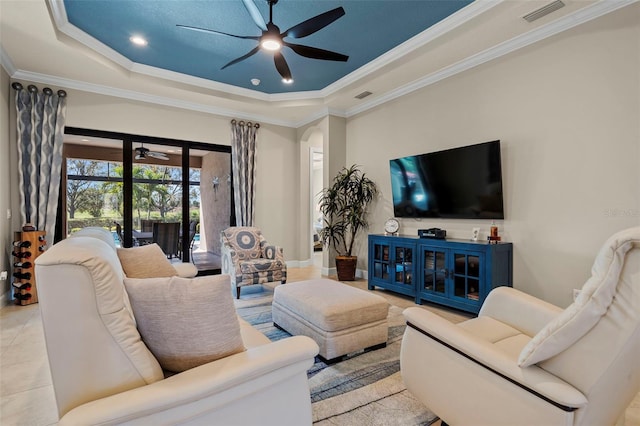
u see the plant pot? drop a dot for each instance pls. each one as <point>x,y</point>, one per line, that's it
<point>346,267</point>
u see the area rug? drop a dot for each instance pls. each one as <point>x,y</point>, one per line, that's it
<point>363,389</point>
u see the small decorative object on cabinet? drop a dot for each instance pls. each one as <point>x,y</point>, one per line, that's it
<point>27,246</point>
<point>455,273</point>
<point>391,226</point>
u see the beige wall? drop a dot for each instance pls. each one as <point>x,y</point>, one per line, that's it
<point>278,188</point>
<point>567,112</point>
<point>5,184</point>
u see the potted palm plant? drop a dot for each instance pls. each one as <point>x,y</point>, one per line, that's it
<point>344,210</point>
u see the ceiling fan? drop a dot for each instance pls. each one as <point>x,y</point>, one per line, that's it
<point>273,40</point>
<point>142,153</point>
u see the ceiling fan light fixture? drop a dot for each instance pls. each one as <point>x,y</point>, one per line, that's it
<point>271,43</point>
<point>287,80</point>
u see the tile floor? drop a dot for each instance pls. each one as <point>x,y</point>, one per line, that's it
<point>26,392</point>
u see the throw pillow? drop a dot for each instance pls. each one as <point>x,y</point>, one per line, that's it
<point>186,322</point>
<point>147,261</point>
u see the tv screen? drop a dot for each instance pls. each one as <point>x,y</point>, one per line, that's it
<point>459,183</point>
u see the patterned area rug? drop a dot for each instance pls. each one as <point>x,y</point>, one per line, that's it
<point>364,389</point>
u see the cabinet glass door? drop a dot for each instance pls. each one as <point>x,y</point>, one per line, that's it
<point>381,261</point>
<point>466,275</point>
<point>403,265</point>
<point>434,270</point>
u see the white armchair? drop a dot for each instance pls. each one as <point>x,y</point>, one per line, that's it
<point>103,373</point>
<point>523,361</point>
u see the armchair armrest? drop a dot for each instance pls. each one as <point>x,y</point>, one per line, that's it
<point>532,378</point>
<point>519,310</point>
<point>196,394</point>
<point>230,261</point>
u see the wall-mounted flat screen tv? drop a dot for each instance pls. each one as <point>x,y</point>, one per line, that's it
<point>458,183</point>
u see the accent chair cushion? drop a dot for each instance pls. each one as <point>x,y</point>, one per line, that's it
<point>591,304</point>
<point>260,265</point>
<point>148,261</point>
<point>186,322</point>
<point>245,241</point>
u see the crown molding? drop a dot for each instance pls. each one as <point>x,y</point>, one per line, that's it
<point>143,97</point>
<point>6,62</point>
<point>565,23</point>
<point>436,30</point>
<point>454,20</point>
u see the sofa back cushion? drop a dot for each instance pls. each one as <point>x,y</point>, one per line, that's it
<point>590,306</point>
<point>93,345</point>
<point>96,232</point>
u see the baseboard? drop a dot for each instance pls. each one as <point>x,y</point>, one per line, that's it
<point>299,263</point>
<point>360,273</point>
<point>328,271</point>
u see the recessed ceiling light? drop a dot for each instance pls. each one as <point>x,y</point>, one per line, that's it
<point>138,40</point>
<point>287,80</point>
<point>255,81</point>
<point>85,140</point>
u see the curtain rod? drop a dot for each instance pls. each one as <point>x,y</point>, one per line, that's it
<point>34,89</point>
<point>248,123</point>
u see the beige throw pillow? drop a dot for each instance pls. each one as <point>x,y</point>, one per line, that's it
<point>186,322</point>
<point>145,262</point>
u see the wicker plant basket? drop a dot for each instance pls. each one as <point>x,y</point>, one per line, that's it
<point>346,267</point>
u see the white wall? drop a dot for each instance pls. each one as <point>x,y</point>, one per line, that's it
<point>6,234</point>
<point>567,112</point>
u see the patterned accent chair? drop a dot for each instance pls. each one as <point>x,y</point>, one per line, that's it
<point>249,259</point>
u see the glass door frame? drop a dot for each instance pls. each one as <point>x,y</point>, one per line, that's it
<point>127,164</point>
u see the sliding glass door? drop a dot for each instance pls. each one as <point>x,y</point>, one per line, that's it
<point>173,193</point>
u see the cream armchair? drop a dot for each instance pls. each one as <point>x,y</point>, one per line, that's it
<point>249,259</point>
<point>103,373</point>
<point>523,361</point>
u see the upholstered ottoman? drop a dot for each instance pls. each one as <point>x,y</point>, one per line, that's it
<point>341,319</point>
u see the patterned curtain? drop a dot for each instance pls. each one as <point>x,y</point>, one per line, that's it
<point>40,124</point>
<point>243,150</point>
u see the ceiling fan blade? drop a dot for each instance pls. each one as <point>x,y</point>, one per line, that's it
<point>157,155</point>
<point>205,30</point>
<point>255,14</point>
<point>314,24</point>
<point>281,65</point>
<point>242,58</point>
<point>315,53</point>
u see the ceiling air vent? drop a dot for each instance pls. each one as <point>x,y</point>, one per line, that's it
<point>363,95</point>
<point>543,11</point>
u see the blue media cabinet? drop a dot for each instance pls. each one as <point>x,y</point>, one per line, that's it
<point>452,272</point>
